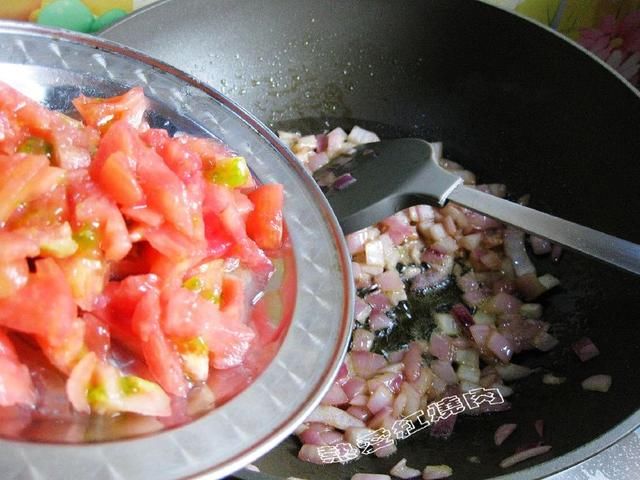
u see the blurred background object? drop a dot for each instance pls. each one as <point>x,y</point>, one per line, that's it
<point>608,28</point>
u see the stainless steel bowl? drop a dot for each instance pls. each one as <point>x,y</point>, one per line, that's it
<point>54,66</point>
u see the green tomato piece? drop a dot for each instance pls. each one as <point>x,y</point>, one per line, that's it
<point>132,385</point>
<point>35,146</point>
<point>195,346</point>
<point>87,238</point>
<point>211,295</point>
<point>69,14</point>
<point>97,396</point>
<point>195,284</point>
<point>232,172</point>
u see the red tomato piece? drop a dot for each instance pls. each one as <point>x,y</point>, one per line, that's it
<point>16,387</point>
<point>13,276</point>
<point>118,180</point>
<point>16,246</point>
<point>17,173</point>
<point>264,223</point>
<point>160,355</point>
<point>103,112</point>
<point>45,305</point>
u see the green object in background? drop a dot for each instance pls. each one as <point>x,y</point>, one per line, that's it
<point>107,18</point>
<point>69,14</point>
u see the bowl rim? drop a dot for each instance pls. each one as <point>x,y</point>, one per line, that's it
<point>62,456</point>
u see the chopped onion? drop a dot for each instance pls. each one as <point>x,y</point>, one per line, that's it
<point>356,434</point>
<point>401,470</point>
<point>335,139</point>
<point>503,431</point>
<point>515,250</point>
<point>480,333</point>
<point>539,426</point>
<point>447,324</point>
<point>356,241</point>
<point>386,451</point>
<point>379,321</point>
<point>548,281</point>
<point>361,310</point>
<point>374,253</point>
<point>366,364</point>
<point>551,379</point>
<point>359,412</point>
<point>556,252</point>
<point>500,346</point>
<point>389,281</point>
<point>335,396</point>
<point>443,428</point>
<point>511,372</point>
<point>440,347</point>
<point>585,349</point>
<point>539,245</point>
<point>445,371</point>
<point>381,398</point>
<point>434,472</point>
<point>524,455</point>
<point>370,476</point>
<point>354,386</point>
<point>413,362</point>
<point>362,340</point>
<point>544,341</point>
<point>310,453</point>
<point>359,135</point>
<point>343,181</point>
<point>335,417</point>
<point>597,383</point>
<point>316,161</point>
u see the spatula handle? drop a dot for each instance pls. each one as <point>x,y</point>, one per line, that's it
<point>596,244</point>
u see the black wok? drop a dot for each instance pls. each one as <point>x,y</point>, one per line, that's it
<point>512,102</point>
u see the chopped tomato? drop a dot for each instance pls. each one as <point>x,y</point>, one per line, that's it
<point>51,319</point>
<point>103,112</point>
<point>264,223</point>
<point>161,356</point>
<point>121,245</point>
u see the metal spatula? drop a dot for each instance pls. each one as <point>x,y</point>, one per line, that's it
<point>395,174</point>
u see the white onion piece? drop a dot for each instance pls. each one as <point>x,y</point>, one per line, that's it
<point>335,139</point>
<point>252,468</point>
<point>354,386</point>
<point>370,476</point>
<point>531,310</point>
<point>503,431</point>
<point>544,341</point>
<point>381,398</point>
<point>511,372</point>
<point>447,324</point>
<point>480,333</point>
<point>355,435</point>
<point>445,371</point>
<point>356,241</point>
<point>374,253</point>
<point>316,161</point>
<point>389,281</point>
<point>401,470</point>
<point>335,396</point>
<point>597,383</point>
<point>515,250</point>
<point>540,246</point>
<point>367,364</point>
<point>362,340</point>
<point>379,321</point>
<point>310,453</point>
<point>551,379</point>
<point>359,135</point>
<point>335,417</point>
<point>440,347</point>
<point>548,281</point>
<point>360,413</point>
<point>386,450</point>
<point>361,310</point>
<point>524,455</point>
<point>433,472</point>
<point>500,346</point>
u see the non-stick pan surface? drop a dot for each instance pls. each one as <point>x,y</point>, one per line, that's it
<point>512,102</point>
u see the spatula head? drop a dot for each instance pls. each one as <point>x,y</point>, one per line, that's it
<point>389,176</point>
